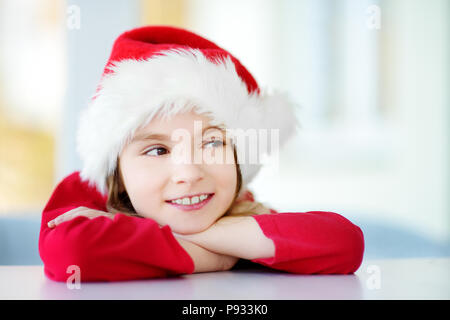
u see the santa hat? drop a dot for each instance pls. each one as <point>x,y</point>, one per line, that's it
<point>164,70</point>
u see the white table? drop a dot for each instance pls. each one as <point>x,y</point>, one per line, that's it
<point>376,279</point>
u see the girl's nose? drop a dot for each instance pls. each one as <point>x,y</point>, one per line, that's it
<point>187,173</point>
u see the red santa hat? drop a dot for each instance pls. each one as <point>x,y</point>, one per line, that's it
<point>164,70</point>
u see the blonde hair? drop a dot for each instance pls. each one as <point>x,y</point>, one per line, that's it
<point>119,201</point>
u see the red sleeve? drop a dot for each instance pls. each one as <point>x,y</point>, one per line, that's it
<point>312,242</point>
<point>104,249</point>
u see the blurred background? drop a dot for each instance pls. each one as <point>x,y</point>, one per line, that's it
<point>371,79</point>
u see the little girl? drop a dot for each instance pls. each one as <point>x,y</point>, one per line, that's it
<point>163,187</point>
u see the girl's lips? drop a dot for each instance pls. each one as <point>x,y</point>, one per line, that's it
<point>191,207</point>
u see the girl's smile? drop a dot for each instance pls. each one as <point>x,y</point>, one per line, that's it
<point>191,203</point>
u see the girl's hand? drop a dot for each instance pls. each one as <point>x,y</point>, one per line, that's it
<point>237,236</point>
<point>229,262</point>
<point>206,260</point>
<point>77,212</point>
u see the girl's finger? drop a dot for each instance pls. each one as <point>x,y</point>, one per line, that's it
<point>66,217</point>
<point>58,220</point>
<point>77,212</point>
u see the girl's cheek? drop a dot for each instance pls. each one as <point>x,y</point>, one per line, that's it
<point>225,178</point>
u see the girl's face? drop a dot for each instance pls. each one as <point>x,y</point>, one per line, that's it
<point>165,164</point>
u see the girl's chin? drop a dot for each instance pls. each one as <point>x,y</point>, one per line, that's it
<point>186,230</point>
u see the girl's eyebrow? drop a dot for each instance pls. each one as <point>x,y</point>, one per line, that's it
<point>163,137</point>
<point>213,127</point>
<point>151,136</point>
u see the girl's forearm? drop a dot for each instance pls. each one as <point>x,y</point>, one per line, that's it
<point>235,236</point>
<point>205,260</point>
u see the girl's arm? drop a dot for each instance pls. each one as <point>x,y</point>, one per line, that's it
<point>120,248</point>
<point>237,236</point>
<point>205,260</point>
<point>307,243</point>
<point>314,242</point>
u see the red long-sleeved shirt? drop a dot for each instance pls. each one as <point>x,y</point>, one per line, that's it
<point>128,248</point>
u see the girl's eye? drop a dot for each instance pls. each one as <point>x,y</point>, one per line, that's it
<point>214,143</point>
<point>156,151</point>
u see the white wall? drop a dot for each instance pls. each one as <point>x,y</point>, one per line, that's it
<point>88,48</point>
<point>375,138</point>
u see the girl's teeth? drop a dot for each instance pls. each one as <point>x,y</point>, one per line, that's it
<point>189,201</point>
<point>195,200</point>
